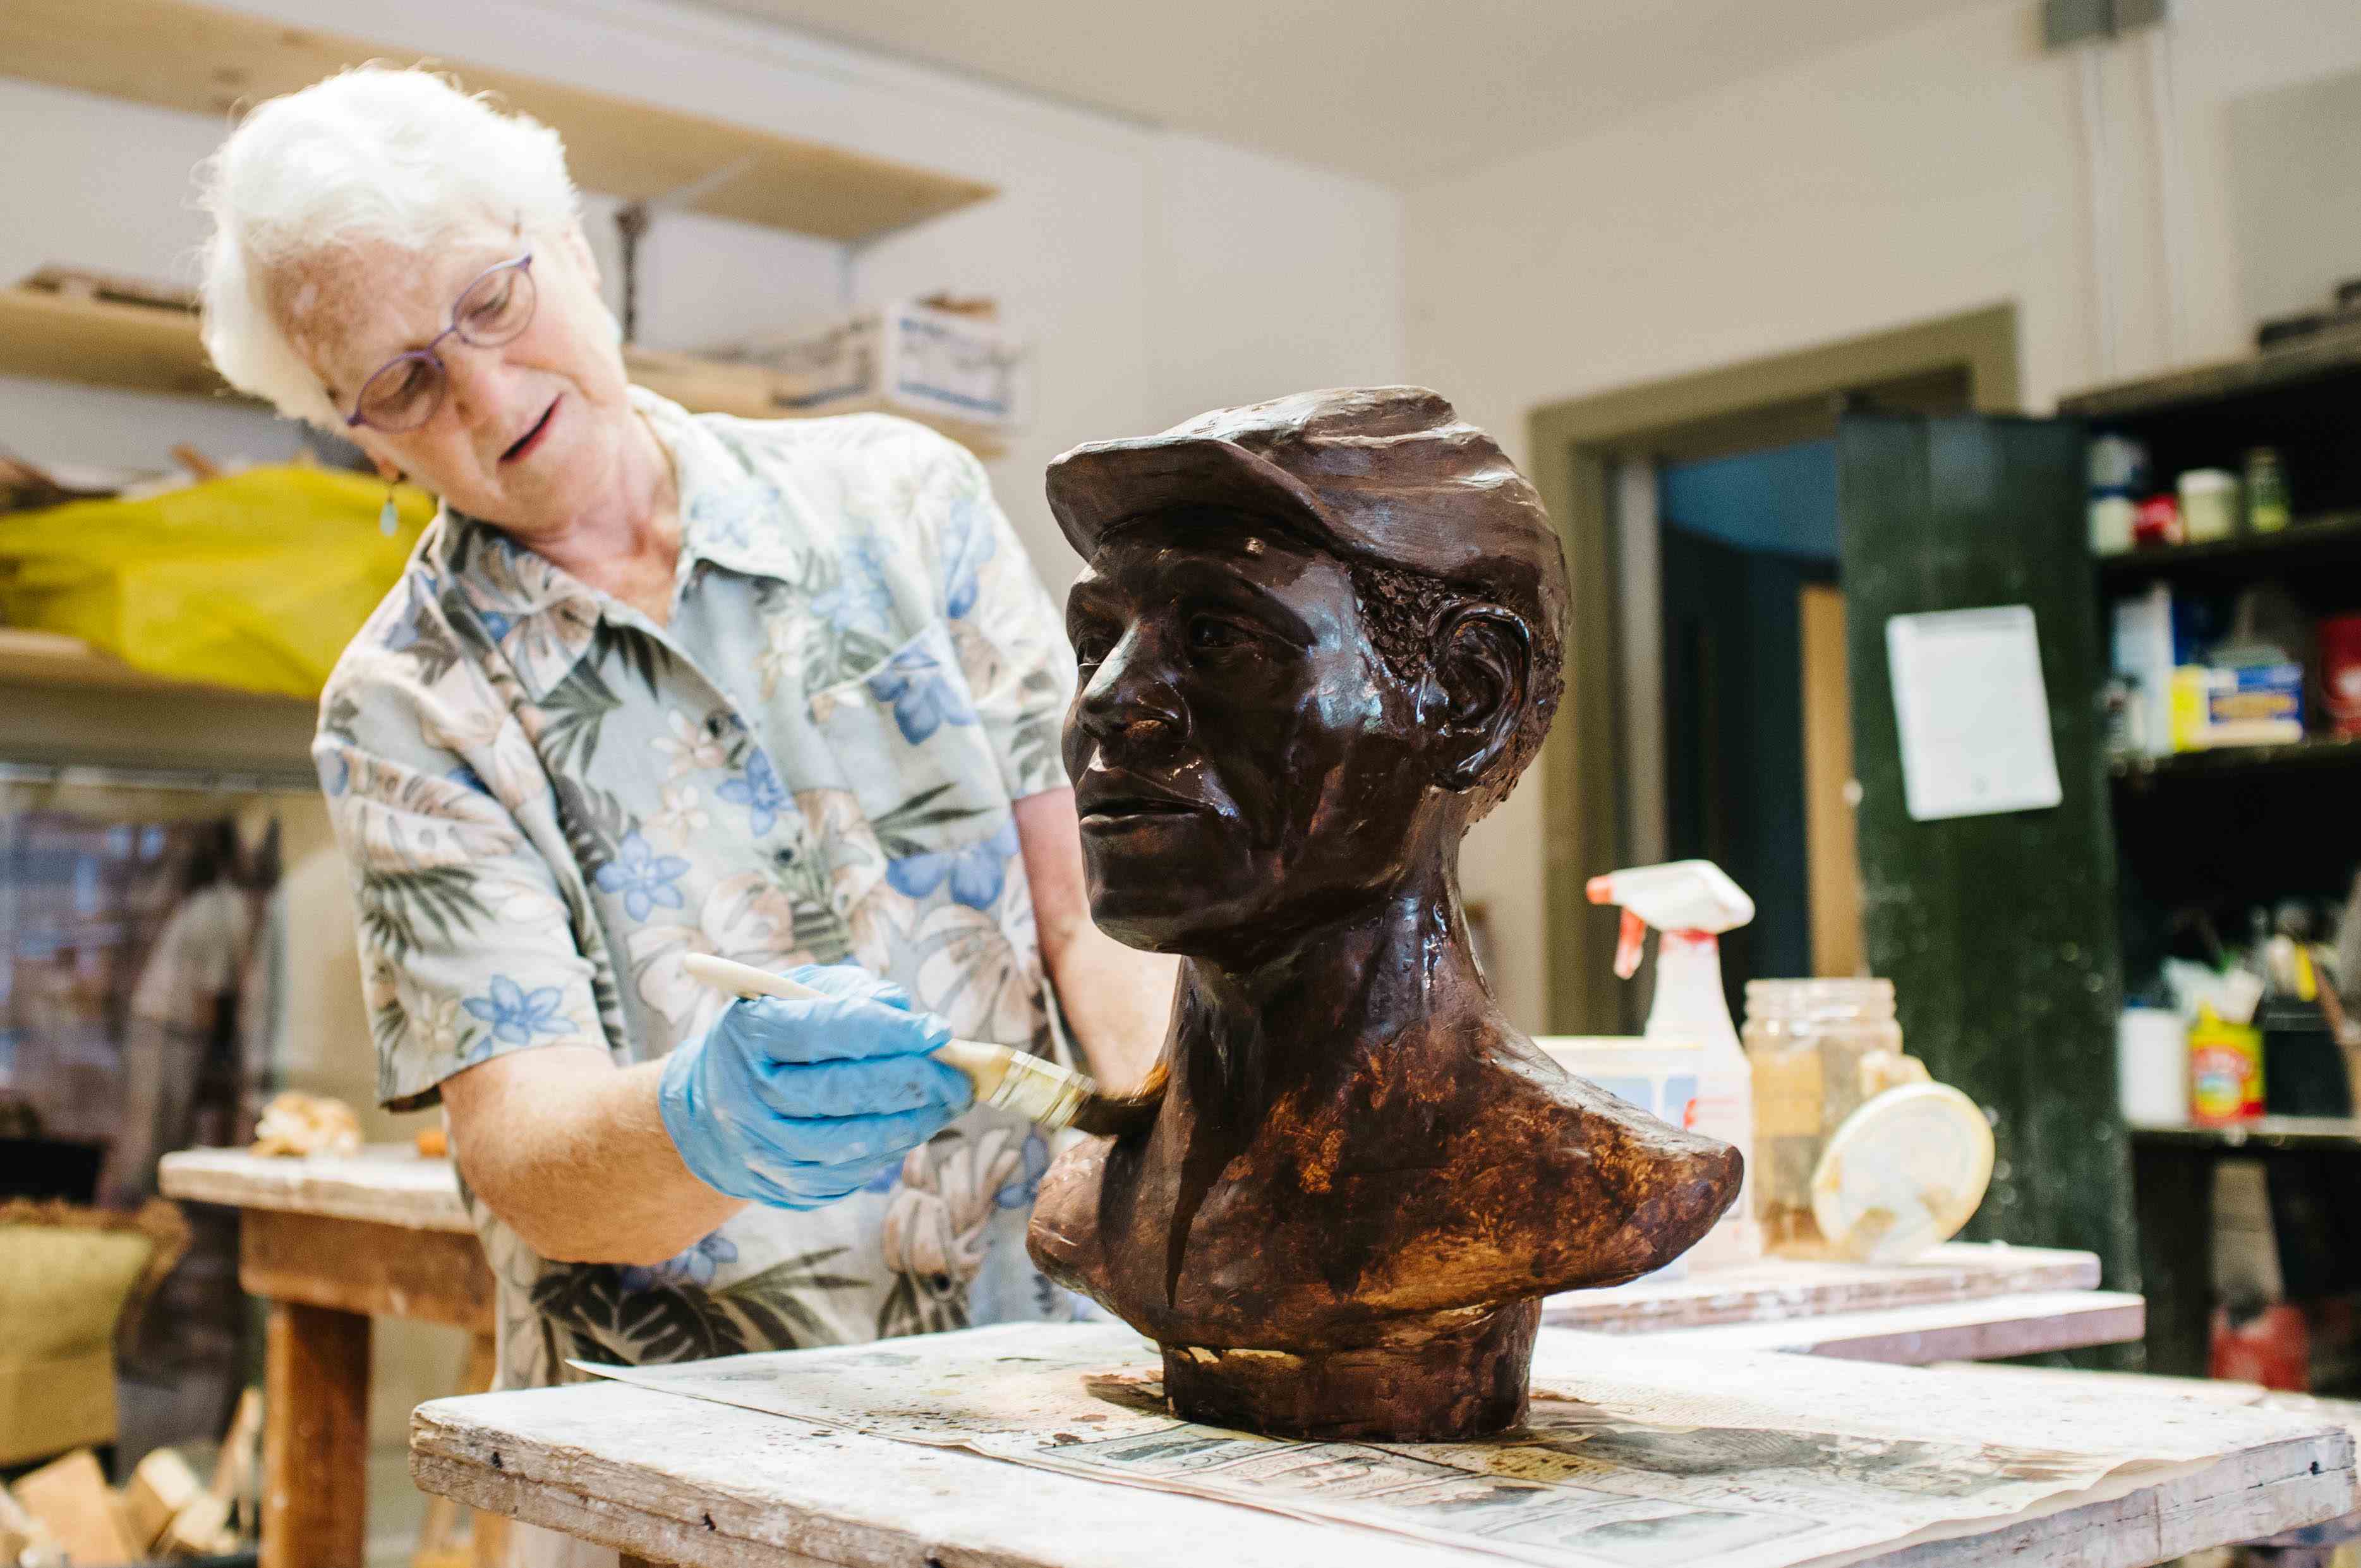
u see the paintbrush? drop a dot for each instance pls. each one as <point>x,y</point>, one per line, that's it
<point>1041,1091</point>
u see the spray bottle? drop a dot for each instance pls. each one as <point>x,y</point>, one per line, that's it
<point>1690,904</point>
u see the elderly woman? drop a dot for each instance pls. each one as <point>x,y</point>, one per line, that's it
<point>657,684</point>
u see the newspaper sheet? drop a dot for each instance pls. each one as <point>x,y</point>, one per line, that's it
<point>1633,1458</point>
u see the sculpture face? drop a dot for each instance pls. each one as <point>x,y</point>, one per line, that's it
<point>1244,764</point>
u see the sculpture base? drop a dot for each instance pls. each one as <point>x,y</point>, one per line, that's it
<point>1440,1381</point>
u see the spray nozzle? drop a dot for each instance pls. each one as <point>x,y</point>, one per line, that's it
<point>1680,895</point>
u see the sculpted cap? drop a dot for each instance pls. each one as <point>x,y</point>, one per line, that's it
<point>1386,474</point>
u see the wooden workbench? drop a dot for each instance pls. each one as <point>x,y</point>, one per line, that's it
<point>670,1479</point>
<point>329,1243</point>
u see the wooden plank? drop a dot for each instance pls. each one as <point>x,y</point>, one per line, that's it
<point>713,1486</point>
<point>1833,853</point>
<point>2334,1133</point>
<point>387,1184</point>
<point>1781,1288</point>
<point>316,1438</point>
<point>2323,354</point>
<point>209,62</point>
<point>1999,932</point>
<point>2031,1324</point>
<point>354,1265</point>
<point>151,349</point>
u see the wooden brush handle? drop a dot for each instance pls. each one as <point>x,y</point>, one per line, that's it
<point>1015,1081</point>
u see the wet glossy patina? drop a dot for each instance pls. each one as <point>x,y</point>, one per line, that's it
<point>1317,639</point>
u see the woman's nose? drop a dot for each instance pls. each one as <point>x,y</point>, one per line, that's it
<point>473,380</point>
<point>1131,695</point>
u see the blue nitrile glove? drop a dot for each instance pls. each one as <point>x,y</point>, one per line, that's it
<point>798,1104</point>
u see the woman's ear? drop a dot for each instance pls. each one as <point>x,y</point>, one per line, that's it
<point>1483,669</point>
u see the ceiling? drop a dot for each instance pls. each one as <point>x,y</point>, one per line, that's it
<point>1399,91</point>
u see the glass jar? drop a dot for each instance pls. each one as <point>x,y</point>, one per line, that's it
<point>1819,1048</point>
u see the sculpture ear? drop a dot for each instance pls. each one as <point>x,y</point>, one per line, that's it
<point>1483,668</point>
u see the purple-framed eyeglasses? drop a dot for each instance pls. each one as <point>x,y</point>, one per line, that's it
<point>403,392</point>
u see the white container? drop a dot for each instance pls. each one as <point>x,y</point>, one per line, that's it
<point>1659,1077</point>
<point>905,357</point>
<point>2209,504</point>
<point>2152,1067</point>
<point>1689,904</point>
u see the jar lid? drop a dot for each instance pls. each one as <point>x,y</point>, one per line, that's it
<point>1904,1172</point>
<point>2200,480</point>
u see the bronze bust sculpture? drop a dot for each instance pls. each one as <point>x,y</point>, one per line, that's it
<point>1318,637</point>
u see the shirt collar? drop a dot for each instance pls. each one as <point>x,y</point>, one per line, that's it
<point>543,618</point>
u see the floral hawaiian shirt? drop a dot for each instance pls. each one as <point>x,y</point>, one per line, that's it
<point>548,801</point>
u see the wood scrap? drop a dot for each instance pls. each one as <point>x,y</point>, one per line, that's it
<point>115,287</point>
<point>72,1498</point>
<point>160,1487</point>
<point>25,1540</point>
<point>233,1469</point>
<point>299,1124</point>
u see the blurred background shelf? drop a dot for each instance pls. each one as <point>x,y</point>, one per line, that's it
<point>194,58</point>
<point>67,705</point>
<point>2306,542</point>
<point>2320,750</point>
<point>153,348</point>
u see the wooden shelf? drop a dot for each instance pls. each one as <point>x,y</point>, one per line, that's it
<point>47,659</point>
<point>197,58</point>
<point>143,347</point>
<point>152,349</point>
<point>2246,554</point>
<point>2319,750</point>
<point>2335,1132</point>
<point>2325,353</point>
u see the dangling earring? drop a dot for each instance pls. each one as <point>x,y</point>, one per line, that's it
<point>389,518</point>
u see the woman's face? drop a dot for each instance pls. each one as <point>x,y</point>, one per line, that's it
<point>527,433</point>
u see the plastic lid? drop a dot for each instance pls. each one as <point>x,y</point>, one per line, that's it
<point>1904,1172</point>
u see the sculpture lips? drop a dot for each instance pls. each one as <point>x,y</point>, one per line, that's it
<point>1113,800</point>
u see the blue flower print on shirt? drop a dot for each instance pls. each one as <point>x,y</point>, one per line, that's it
<point>645,878</point>
<point>968,544</point>
<point>498,624</point>
<point>861,600</point>
<point>923,697</point>
<point>1025,1186</point>
<point>335,775</point>
<point>977,873</point>
<point>727,518</point>
<point>466,777</point>
<point>516,1014</point>
<point>694,1266</point>
<point>759,791</point>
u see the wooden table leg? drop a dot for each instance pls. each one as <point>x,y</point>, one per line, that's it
<point>315,1437</point>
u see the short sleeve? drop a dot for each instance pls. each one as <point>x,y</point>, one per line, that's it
<point>1010,636</point>
<point>467,950</point>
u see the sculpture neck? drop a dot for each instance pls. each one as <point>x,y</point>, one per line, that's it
<point>1247,1031</point>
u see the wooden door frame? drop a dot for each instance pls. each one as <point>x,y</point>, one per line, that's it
<point>1576,446</point>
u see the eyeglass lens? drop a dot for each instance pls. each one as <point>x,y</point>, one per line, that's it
<point>404,393</point>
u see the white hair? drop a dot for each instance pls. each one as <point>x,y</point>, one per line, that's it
<point>377,153</point>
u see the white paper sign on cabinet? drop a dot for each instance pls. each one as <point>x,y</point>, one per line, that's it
<point>1974,715</point>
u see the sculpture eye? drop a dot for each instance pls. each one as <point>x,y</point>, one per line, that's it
<point>1208,634</point>
<point>1092,648</point>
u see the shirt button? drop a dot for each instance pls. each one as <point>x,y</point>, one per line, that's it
<point>785,857</point>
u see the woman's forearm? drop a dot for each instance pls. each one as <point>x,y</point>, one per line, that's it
<point>571,1152</point>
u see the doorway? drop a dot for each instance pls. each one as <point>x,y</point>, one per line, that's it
<point>1662,732</point>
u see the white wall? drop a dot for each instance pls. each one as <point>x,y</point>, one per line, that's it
<point>1925,173</point>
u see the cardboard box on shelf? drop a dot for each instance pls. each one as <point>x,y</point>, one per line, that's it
<point>909,357</point>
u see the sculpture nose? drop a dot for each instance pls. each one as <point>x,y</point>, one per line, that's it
<point>1130,699</point>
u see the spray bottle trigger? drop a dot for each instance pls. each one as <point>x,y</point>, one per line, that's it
<point>1630,940</point>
